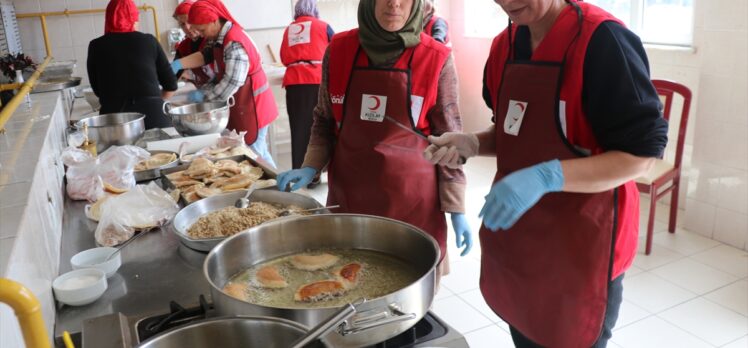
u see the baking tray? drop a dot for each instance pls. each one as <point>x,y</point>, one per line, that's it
<point>191,213</point>
<point>155,173</point>
<point>269,172</point>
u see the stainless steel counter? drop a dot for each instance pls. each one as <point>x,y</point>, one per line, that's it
<point>156,268</point>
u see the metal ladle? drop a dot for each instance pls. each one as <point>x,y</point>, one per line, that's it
<point>244,201</point>
<point>288,212</point>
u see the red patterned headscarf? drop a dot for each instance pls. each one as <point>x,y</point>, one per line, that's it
<point>121,16</point>
<point>183,8</point>
<point>208,11</point>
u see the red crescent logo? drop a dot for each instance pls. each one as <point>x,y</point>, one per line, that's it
<point>301,28</point>
<point>377,101</point>
<point>521,107</point>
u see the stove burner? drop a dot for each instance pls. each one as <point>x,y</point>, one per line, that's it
<point>426,329</point>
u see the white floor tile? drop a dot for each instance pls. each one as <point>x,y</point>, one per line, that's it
<point>725,258</point>
<point>741,343</point>
<point>633,270</point>
<point>463,276</point>
<point>694,276</point>
<point>733,296</point>
<point>629,314</point>
<point>458,314</point>
<point>475,299</point>
<point>708,321</point>
<point>660,256</point>
<point>489,337</point>
<point>684,242</point>
<point>653,293</point>
<point>654,332</point>
<point>613,345</point>
<point>443,293</point>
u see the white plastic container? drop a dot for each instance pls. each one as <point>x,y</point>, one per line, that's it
<point>80,287</point>
<point>96,258</point>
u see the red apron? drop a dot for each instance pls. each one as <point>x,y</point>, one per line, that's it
<point>255,107</point>
<point>377,168</point>
<point>548,275</point>
<point>303,47</point>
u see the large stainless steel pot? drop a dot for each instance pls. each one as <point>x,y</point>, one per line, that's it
<point>200,118</point>
<point>124,128</point>
<point>233,332</point>
<point>377,319</point>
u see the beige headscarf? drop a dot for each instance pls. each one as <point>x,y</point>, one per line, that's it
<point>382,46</point>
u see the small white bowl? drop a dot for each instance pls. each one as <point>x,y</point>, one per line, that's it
<point>96,258</point>
<point>80,287</point>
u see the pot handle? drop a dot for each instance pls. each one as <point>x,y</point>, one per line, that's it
<point>166,107</point>
<point>231,101</point>
<point>326,326</point>
<point>393,314</point>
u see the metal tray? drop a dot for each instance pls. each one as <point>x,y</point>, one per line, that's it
<point>56,85</point>
<point>155,173</point>
<point>270,172</point>
<point>191,213</point>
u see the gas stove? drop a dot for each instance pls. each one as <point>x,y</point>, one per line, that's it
<point>428,332</point>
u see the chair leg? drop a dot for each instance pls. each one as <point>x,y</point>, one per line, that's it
<point>674,205</point>
<point>652,214</point>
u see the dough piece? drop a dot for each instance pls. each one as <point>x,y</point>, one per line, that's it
<point>191,197</point>
<point>160,159</point>
<point>205,192</point>
<point>237,182</point>
<point>236,290</point>
<point>200,168</point>
<point>318,291</point>
<point>115,190</point>
<point>348,274</point>
<point>228,166</point>
<point>218,150</point>
<point>185,183</point>
<point>308,262</point>
<point>269,277</point>
<point>180,175</point>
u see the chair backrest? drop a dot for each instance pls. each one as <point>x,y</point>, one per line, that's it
<point>668,89</point>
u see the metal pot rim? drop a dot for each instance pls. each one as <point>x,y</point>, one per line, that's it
<point>80,122</point>
<point>213,251</point>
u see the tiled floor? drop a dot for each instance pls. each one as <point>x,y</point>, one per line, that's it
<point>690,292</point>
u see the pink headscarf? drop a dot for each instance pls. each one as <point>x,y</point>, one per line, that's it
<point>121,16</point>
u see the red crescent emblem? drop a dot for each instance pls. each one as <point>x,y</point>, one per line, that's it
<point>521,107</point>
<point>301,28</point>
<point>377,101</point>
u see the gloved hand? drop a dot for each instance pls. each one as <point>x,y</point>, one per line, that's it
<point>301,177</point>
<point>196,96</point>
<point>463,235</point>
<point>517,192</point>
<point>176,65</point>
<point>451,148</point>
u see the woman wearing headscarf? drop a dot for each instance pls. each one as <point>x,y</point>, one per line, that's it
<point>239,73</point>
<point>126,67</point>
<point>192,43</point>
<point>389,81</point>
<point>303,47</point>
<point>434,25</point>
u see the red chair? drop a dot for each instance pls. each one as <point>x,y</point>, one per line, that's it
<point>663,172</point>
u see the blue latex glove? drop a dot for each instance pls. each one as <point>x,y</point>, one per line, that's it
<point>511,197</point>
<point>463,235</point>
<point>176,66</point>
<point>301,177</point>
<point>196,96</point>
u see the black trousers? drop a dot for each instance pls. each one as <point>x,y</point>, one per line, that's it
<point>151,107</point>
<point>300,102</point>
<point>615,297</point>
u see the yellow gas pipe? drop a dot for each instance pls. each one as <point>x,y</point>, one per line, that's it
<point>29,312</point>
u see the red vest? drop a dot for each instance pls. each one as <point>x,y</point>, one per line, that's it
<point>578,130</point>
<point>427,58</point>
<point>185,49</point>
<point>303,47</point>
<point>265,106</point>
<point>430,26</point>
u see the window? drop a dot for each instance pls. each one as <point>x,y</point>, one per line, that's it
<point>661,22</point>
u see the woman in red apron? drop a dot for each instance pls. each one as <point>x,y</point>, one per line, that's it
<point>381,83</point>
<point>192,43</point>
<point>434,25</point>
<point>239,73</point>
<point>577,120</point>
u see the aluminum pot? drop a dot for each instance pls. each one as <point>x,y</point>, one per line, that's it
<point>377,319</point>
<point>199,118</point>
<point>124,128</point>
<point>233,332</point>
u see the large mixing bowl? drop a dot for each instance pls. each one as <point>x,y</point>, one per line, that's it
<point>233,332</point>
<point>199,118</point>
<point>124,128</point>
<point>377,319</point>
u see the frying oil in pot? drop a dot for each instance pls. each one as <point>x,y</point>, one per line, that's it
<point>380,275</point>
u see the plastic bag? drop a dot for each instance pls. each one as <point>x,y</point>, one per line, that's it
<point>83,181</point>
<point>141,208</point>
<point>116,166</point>
<point>230,139</point>
<point>76,139</point>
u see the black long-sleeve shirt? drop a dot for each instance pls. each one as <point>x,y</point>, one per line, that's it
<point>127,66</point>
<point>620,103</point>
